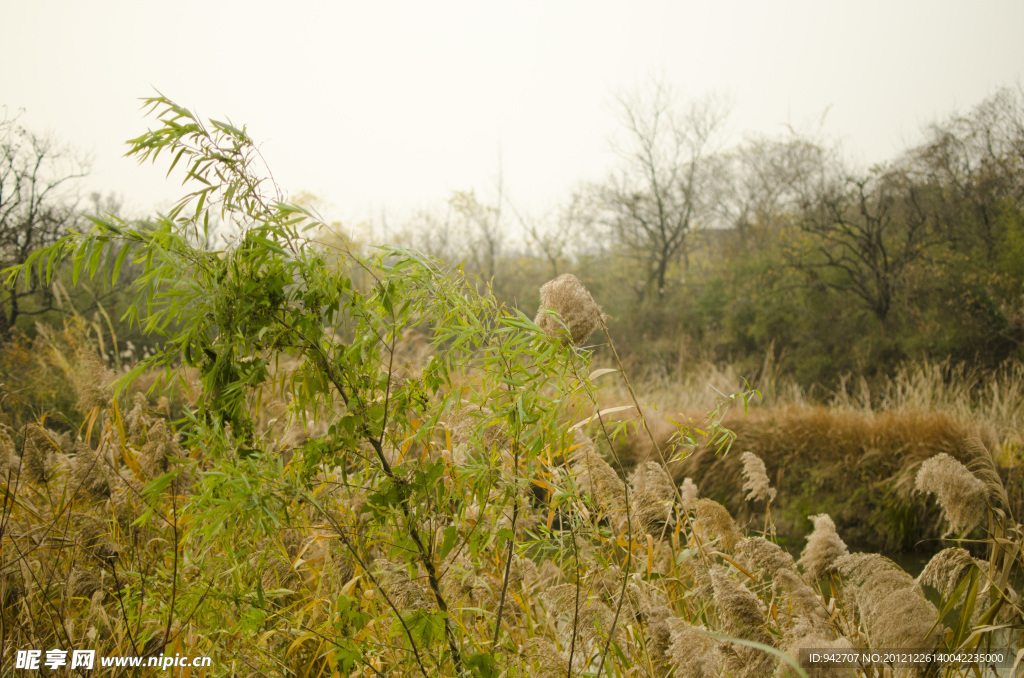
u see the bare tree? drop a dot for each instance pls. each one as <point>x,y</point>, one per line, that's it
<point>974,164</point>
<point>663,194</point>
<point>555,235</point>
<point>481,226</point>
<point>867,229</point>
<point>35,210</point>
<point>759,187</point>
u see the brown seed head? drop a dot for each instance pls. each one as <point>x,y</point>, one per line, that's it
<point>84,582</point>
<point>823,547</point>
<point>744,618</point>
<point>159,445</point>
<point>689,493</point>
<point>653,496</point>
<point>715,519</point>
<point>766,555</point>
<point>406,593</point>
<point>983,466</point>
<point>37,455</point>
<point>138,421</point>
<point>756,477</point>
<point>960,493</point>
<point>692,650</point>
<point>892,607</point>
<point>569,298</point>
<point>546,660</point>
<point>88,473</point>
<point>597,477</point>
<point>8,461</point>
<point>945,570</point>
<point>91,381</point>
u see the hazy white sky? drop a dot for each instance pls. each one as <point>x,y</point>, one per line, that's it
<point>380,104</point>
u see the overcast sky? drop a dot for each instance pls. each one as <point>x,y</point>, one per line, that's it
<point>377,105</point>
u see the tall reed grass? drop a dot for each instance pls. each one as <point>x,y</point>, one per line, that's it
<point>321,509</point>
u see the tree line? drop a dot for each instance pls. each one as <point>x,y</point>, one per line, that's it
<point>776,246</point>
<point>702,250</point>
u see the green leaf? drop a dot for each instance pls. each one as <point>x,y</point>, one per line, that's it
<point>125,248</point>
<point>482,665</point>
<point>451,534</point>
<point>503,535</point>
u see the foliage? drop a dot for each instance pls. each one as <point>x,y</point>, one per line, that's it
<point>35,211</point>
<point>331,503</point>
<point>783,243</point>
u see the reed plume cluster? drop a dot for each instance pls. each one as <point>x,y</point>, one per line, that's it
<point>756,484</point>
<point>891,606</point>
<point>676,608</point>
<point>960,493</point>
<point>824,547</point>
<point>715,520</point>
<point>326,505</point>
<point>653,496</point>
<point>946,569</point>
<point>688,494</point>
<point>569,298</point>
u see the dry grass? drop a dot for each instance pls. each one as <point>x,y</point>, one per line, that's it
<point>818,458</point>
<point>74,553</point>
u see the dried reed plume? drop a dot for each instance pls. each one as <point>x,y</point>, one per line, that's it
<point>649,606</point>
<point>981,464</point>
<point>84,582</point>
<point>647,600</point>
<point>159,445</point>
<point>475,429</point>
<point>91,380</point>
<point>569,298</point>
<point>892,607</point>
<point>823,547</point>
<point>743,618</point>
<point>766,555</point>
<point>692,650</point>
<point>546,660</point>
<point>97,620</point>
<point>138,421</point>
<point>155,456</point>
<point>702,588</point>
<point>88,472</point>
<point>814,640</point>
<point>93,534</point>
<point>945,570</point>
<point>653,496</point>
<point>126,501</point>
<point>406,593</point>
<point>598,478</point>
<point>960,493</point>
<point>806,623</point>
<point>588,617</point>
<point>756,479</point>
<point>550,574</point>
<point>689,493</point>
<point>460,581</point>
<point>523,571</point>
<point>801,610</point>
<point>714,518</point>
<point>37,457</point>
